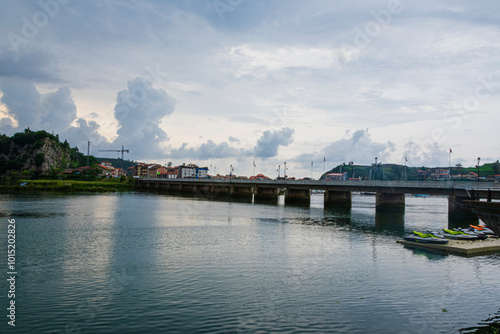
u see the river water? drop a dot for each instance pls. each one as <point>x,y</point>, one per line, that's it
<point>153,263</point>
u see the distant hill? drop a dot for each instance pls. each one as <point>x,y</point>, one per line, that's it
<point>400,172</point>
<point>39,152</point>
<point>119,163</point>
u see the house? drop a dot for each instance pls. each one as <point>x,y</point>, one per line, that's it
<point>107,164</point>
<point>187,171</point>
<point>202,172</point>
<point>259,177</point>
<point>168,173</point>
<point>140,170</point>
<point>337,176</point>
<point>441,174</point>
<point>105,170</point>
<point>118,172</point>
<point>154,169</point>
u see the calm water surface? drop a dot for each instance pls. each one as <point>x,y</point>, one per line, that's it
<point>149,263</point>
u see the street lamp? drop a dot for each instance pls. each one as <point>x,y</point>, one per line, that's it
<point>478,160</point>
<point>284,170</point>
<point>279,169</point>
<point>352,169</point>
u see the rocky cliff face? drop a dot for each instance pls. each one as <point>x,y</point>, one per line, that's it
<point>54,157</point>
<point>35,151</point>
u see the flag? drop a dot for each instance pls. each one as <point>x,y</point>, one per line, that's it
<point>406,160</point>
<point>254,163</point>
<point>312,163</point>
<point>324,159</point>
<point>451,151</point>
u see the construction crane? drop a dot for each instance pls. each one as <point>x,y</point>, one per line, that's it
<point>122,150</point>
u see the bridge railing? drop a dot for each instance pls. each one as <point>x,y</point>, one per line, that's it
<point>340,183</point>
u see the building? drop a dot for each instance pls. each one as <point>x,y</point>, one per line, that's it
<point>169,173</point>
<point>187,171</point>
<point>441,174</point>
<point>145,170</point>
<point>154,170</point>
<point>107,164</point>
<point>118,172</point>
<point>337,176</point>
<point>201,172</point>
<point>158,171</point>
<point>259,177</point>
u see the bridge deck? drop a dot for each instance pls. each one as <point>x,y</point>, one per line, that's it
<point>481,189</point>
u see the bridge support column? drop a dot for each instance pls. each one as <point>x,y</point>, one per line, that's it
<point>223,190</point>
<point>204,191</point>
<point>175,187</point>
<point>242,194</point>
<point>297,196</point>
<point>459,216</point>
<point>390,201</point>
<point>341,199</point>
<point>265,195</point>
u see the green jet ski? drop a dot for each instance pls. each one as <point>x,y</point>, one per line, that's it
<point>460,235</point>
<point>428,238</point>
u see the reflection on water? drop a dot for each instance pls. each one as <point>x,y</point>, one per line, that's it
<point>142,262</point>
<point>393,220</point>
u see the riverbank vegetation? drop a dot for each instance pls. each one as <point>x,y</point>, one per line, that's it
<point>98,185</point>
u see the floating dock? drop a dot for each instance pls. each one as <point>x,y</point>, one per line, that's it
<point>459,247</point>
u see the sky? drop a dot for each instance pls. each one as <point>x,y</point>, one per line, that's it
<point>237,83</point>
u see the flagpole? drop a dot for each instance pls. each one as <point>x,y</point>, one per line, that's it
<point>449,165</point>
<point>406,160</point>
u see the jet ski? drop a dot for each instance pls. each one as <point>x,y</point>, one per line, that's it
<point>428,238</point>
<point>481,228</point>
<point>471,231</point>
<point>460,235</point>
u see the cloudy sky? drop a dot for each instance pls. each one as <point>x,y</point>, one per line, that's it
<point>230,82</point>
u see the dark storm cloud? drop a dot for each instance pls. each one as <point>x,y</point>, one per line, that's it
<point>30,64</point>
<point>23,102</point>
<point>53,112</point>
<point>60,110</point>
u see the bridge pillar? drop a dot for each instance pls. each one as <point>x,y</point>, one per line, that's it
<point>204,191</point>
<point>458,215</point>
<point>298,196</point>
<point>265,195</point>
<point>223,190</point>
<point>390,201</point>
<point>175,187</point>
<point>242,194</point>
<point>338,198</point>
<point>187,188</point>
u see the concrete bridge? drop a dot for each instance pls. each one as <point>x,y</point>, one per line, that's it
<point>390,195</point>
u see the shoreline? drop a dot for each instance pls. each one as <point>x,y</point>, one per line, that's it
<point>108,185</point>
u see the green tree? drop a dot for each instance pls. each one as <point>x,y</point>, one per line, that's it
<point>39,159</point>
<point>496,168</point>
